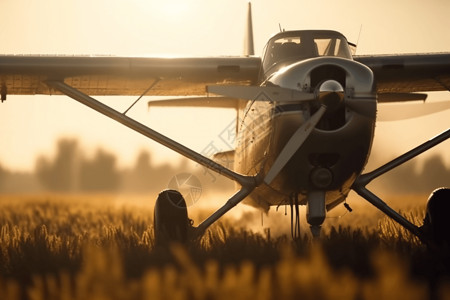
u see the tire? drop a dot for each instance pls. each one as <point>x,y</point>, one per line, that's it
<point>170,218</point>
<point>437,222</point>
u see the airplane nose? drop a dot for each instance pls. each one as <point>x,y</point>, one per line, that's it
<point>331,94</point>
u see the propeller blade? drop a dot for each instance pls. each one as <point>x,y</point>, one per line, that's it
<point>403,111</point>
<point>294,143</point>
<point>260,93</point>
<point>366,107</point>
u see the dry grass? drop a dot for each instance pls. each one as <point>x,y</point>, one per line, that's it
<point>98,247</point>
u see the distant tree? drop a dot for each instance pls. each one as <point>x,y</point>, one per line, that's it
<point>434,174</point>
<point>61,173</point>
<point>143,166</point>
<point>69,170</point>
<point>402,179</point>
<point>410,179</point>
<point>144,177</point>
<point>100,173</point>
<point>3,172</point>
<point>3,175</point>
<point>139,178</point>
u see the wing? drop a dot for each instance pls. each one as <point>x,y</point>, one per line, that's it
<point>403,74</point>
<point>108,75</point>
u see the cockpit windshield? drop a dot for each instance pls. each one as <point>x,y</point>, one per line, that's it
<point>286,47</point>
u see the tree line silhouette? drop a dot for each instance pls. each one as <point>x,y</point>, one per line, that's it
<point>70,170</point>
<point>414,177</point>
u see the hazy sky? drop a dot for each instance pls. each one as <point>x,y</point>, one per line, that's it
<point>29,125</point>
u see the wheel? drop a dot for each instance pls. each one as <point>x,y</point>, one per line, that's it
<point>436,222</point>
<point>170,218</point>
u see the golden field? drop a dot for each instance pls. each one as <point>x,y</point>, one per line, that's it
<point>101,247</point>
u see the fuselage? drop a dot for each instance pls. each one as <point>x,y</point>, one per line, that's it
<point>337,150</point>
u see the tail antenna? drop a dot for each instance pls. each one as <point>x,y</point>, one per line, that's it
<point>249,48</point>
<point>359,36</point>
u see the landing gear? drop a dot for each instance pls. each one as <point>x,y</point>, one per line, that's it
<point>437,223</point>
<point>171,223</point>
<point>436,208</point>
<point>315,211</point>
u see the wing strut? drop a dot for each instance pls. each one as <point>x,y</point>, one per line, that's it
<point>143,94</point>
<point>148,132</point>
<point>248,183</point>
<point>359,185</point>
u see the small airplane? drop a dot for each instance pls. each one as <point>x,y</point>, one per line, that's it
<point>306,114</point>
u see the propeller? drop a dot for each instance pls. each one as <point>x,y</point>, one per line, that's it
<point>330,95</point>
<point>294,143</point>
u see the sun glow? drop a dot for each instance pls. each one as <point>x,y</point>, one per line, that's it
<point>174,8</point>
<point>171,10</point>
